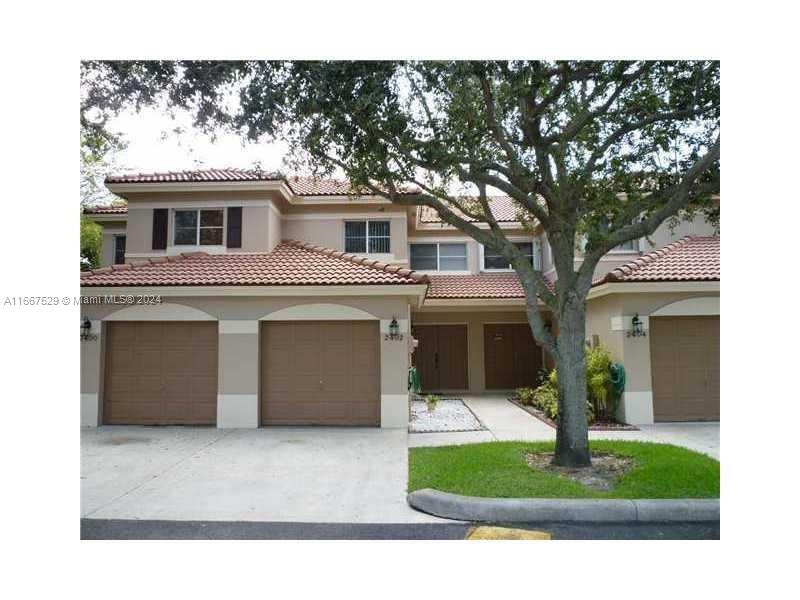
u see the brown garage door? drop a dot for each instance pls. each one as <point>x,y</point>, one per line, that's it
<point>684,354</point>
<point>441,356</point>
<point>320,373</point>
<point>161,373</point>
<point>511,357</point>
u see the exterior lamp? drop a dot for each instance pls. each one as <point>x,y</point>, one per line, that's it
<point>636,330</point>
<point>394,330</point>
<point>86,329</point>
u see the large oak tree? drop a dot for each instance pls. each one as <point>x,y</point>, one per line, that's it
<point>597,153</point>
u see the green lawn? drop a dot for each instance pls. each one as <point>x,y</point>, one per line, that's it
<point>498,469</point>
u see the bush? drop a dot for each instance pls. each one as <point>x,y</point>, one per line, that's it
<point>545,398</point>
<point>524,395</point>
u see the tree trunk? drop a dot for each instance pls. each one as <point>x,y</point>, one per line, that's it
<point>572,435</point>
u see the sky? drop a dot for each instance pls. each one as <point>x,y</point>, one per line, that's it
<point>154,146</point>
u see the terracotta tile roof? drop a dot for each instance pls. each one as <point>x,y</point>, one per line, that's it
<point>689,259</point>
<point>105,210</point>
<point>195,176</point>
<point>290,263</point>
<point>302,186</point>
<point>483,285</point>
<point>503,208</point>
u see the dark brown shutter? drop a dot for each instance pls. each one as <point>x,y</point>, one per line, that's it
<point>159,229</point>
<point>235,227</point>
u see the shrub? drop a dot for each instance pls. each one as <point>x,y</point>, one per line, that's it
<point>545,398</point>
<point>598,379</point>
<point>524,395</point>
<point>431,401</point>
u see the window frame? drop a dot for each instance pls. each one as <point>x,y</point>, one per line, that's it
<point>532,242</point>
<point>116,249</point>
<point>367,235</point>
<point>198,227</point>
<point>439,256</point>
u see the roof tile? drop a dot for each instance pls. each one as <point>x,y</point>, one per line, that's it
<point>290,263</point>
<point>688,259</point>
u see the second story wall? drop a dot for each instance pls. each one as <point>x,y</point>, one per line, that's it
<point>326,225</point>
<point>260,231</point>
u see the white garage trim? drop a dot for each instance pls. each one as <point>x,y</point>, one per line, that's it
<point>166,311</point>
<point>319,312</point>
<point>394,411</point>
<point>690,307</point>
<point>241,326</point>
<point>237,411</point>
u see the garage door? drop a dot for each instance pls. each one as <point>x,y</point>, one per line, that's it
<point>684,354</point>
<point>320,373</point>
<point>511,357</point>
<point>161,373</point>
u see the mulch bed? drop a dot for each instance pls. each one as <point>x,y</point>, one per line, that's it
<point>596,426</point>
<point>603,475</point>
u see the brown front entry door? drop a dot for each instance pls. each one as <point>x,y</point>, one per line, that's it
<point>320,373</point>
<point>511,357</point>
<point>441,356</point>
<point>684,358</point>
<point>161,373</point>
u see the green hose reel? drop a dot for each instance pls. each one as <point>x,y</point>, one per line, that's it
<point>617,378</point>
<point>414,383</point>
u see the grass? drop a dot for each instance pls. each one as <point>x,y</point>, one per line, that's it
<point>498,469</point>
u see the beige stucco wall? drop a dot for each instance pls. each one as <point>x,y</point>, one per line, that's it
<point>327,229</point>
<point>239,319</point>
<point>609,317</point>
<point>110,230</point>
<point>475,320</point>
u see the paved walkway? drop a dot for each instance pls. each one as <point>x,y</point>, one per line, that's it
<point>506,421</point>
<point>313,475</point>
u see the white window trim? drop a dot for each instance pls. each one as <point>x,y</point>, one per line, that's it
<point>197,244</point>
<point>366,247</point>
<point>531,241</point>
<point>637,248</point>
<point>438,257</point>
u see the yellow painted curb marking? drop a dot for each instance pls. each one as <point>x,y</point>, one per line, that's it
<point>505,533</point>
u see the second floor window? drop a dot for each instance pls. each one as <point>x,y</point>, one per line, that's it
<point>119,249</point>
<point>366,237</point>
<point>201,227</point>
<point>492,261</point>
<point>439,257</point>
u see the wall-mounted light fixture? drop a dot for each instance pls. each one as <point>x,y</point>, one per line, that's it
<point>394,331</point>
<point>637,329</point>
<point>86,330</point>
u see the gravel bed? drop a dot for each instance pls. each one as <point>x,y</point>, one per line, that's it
<point>451,414</point>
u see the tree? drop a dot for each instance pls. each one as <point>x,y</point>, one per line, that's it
<point>91,242</point>
<point>597,153</point>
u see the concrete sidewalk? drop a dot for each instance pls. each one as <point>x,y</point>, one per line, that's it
<point>507,422</point>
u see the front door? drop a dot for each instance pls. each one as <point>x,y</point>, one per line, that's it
<point>441,356</point>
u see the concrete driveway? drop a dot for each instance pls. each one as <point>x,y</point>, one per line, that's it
<point>506,421</point>
<point>321,474</point>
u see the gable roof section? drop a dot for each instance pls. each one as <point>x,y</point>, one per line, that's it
<point>688,259</point>
<point>503,208</point>
<point>301,186</point>
<point>290,263</point>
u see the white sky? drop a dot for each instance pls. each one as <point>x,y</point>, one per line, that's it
<point>153,146</point>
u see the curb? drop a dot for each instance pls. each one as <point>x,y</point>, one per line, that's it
<point>526,510</point>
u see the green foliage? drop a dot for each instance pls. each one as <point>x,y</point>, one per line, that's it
<point>431,400</point>
<point>91,243</point>
<point>499,470</point>
<point>524,395</point>
<point>600,398</point>
<point>598,379</point>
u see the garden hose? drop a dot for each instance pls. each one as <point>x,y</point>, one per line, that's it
<point>414,383</point>
<point>617,378</point>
